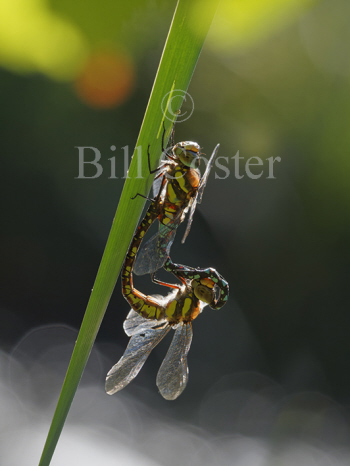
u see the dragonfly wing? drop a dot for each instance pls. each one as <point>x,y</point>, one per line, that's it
<point>205,176</point>
<point>146,256</point>
<point>139,348</point>
<point>173,373</point>
<point>156,186</point>
<point>155,252</point>
<point>199,194</point>
<point>190,218</point>
<point>135,323</point>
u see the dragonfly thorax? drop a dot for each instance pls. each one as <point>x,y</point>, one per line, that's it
<point>184,307</point>
<point>188,153</point>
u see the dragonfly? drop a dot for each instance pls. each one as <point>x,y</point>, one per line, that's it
<point>179,188</point>
<point>152,317</point>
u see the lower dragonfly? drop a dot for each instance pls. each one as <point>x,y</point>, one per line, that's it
<point>152,317</point>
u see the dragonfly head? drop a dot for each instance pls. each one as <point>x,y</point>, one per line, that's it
<point>188,153</point>
<point>203,289</point>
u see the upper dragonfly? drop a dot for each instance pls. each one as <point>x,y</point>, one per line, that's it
<point>179,188</point>
<point>151,318</point>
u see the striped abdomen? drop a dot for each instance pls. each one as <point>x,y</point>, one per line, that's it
<point>144,305</point>
<point>181,187</point>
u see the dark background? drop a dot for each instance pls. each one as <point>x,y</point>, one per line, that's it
<point>272,81</point>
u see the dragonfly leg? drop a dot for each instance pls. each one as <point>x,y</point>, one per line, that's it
<point>151,171</point>
<point>142,195</point>
<point>163,136</point>
<point>159,282</point>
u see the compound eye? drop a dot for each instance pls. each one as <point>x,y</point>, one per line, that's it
<point>204,293</point>
<point>188,153</point>
<point>190,159</point>
<point>178,149</point>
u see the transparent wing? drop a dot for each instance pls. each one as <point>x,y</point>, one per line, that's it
<point>134,323</point>
<point>190,217</point>
<point>156,250</point>
<point>158,180</point>
<point>172,376</point>
<point>205,176</point>
<point>156,186</point>
<point>199,194</point>
<point>142,342</point>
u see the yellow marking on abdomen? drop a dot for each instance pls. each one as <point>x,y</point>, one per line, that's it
<point>149,311</point>
<point>171,194</point>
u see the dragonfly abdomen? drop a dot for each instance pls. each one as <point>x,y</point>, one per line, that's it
<point>180,189</point>
<point>141,303</point>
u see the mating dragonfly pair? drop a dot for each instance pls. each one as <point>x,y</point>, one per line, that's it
<point>179,188</point>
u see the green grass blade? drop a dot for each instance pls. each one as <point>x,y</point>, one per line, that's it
<point>181,51</point>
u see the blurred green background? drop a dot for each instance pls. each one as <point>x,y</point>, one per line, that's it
<point>272,81</point>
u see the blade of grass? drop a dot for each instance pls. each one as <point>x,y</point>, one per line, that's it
<point>179,58</point>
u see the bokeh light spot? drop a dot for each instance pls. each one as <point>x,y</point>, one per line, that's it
<point>240,24</point>
<point>33,38</point>
<point>107,79</point>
